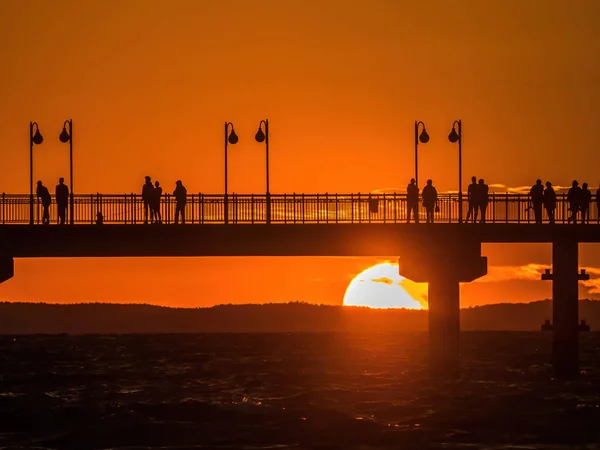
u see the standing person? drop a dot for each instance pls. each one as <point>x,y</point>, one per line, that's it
<point>430,200</point>
<point>550,201</point>
<point>412,200</point>
<point>536,194</point>
<point>44,195</point>
<point>586,199</point>
<point>180,194</point>
<point>62,200</point>
<point>156,195</point>
<point>147,194</point>
<point>483,195</point>
<point>574,199</point>
<point>472,197</point>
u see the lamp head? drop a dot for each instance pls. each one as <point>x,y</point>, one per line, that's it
<point>37,137</point>
<point>64,136</point>
<point>453,136</point>
<point>260,135</point>
<point>233,138</point>
<point>424,137</point>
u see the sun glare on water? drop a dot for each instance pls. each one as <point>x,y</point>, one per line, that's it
<point>380,286</point>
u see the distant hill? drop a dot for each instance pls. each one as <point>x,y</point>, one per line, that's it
<point>33,318</point>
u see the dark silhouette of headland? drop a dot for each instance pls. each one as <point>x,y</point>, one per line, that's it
<point>106,318</point>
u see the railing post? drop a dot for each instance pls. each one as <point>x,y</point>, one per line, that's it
<point>294,205</point>
<point>3,208</point>
<point>192,209</point>
<point>318,210</point>
<point>99,203</point>
<point>201,212</point>
<point>395,208</point>
<point>351,208</point>
<point>302,207</point>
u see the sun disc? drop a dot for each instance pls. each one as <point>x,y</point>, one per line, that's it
<point>380,286</point>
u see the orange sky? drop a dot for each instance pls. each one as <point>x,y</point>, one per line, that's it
<point>149,85</point>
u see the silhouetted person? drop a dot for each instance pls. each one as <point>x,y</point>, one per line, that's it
<point>180,194</point>
<point>62,200</point>
<point>412,200</point>
<point>156,195</point>
<point>44,195</point>
<point>550,201</point>
<point>430,200</point>
<point>574,199</point>
<point>586,199</point>
<point>536,193</point>
<point>483,196</point>
<point>147,194</point>
<point>472,198</point>
<point>99,218</point>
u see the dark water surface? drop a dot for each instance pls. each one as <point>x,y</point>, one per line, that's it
<point>291,391</point>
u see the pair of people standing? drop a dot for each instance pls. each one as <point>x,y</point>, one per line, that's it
<point>62,201</point>
<point>151,195</point>
<point>543,199</point>
<point>579,199</point>
<point>430,200</point>
<point>478,195</point>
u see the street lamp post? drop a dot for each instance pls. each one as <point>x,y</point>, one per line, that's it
<point>230,138</point>
<point>264,137</point>
<point>456,136</point>
<point>424,138</point>
<point>36,139</point>
<point>67,136</point>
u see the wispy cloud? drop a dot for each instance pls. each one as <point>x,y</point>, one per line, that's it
<point>493,187</point>
<point>533,272</point>
<point>383,280</point>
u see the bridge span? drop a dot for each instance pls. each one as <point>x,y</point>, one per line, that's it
<point>442,254</point>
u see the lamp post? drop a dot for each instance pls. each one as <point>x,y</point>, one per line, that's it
<point>36,139</point>
<point>230,138</point>
<point>67,136</point>
<point>424,139</point>
<point>264,137</point>
<point>456,136</point>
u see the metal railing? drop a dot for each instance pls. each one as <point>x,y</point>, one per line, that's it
<point>284,208</point>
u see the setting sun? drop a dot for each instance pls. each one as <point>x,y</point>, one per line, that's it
<point>381,286</point>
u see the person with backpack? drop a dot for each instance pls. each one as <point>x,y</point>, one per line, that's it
<point>430,200</point>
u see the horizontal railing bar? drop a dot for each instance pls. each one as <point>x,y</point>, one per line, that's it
<point>202,208</point>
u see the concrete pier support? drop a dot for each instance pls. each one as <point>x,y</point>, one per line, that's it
<point>444,327</point>
<point>444,269</point>
<point>565,307</point>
